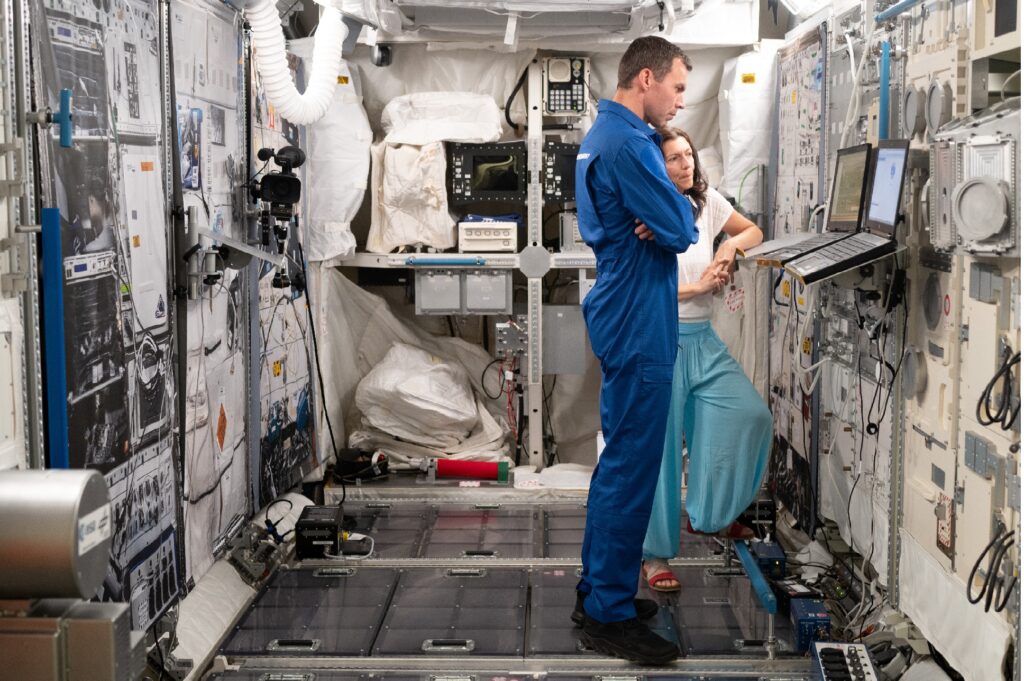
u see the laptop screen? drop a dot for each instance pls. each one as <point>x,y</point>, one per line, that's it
<point>847,202</point>
<point>887,186</point>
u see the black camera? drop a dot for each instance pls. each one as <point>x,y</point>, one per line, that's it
<point>282,190</point>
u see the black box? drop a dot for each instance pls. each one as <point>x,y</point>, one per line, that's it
<point>771,559</point>
<point>318,532</point>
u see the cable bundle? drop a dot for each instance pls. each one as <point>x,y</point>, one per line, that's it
<point>1006,412</point>
<point>993,588</point>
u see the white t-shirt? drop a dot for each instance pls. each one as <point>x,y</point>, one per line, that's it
<point>698,256</point>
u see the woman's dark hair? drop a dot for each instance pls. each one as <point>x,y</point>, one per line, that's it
<point>699,191</point>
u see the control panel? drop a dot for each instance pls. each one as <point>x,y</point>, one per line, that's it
<point>566,86</point>
<point>843,662</point>
<point>560,171</point>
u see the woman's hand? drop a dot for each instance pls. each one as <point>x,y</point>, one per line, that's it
<point>711,281</point>
<point>642,231</point>
<point>725,258</point>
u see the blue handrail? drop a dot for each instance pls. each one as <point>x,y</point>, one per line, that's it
<point>53,329</point>
<point>757,580</point>
<point>883,95</point>
<point>414,261</point>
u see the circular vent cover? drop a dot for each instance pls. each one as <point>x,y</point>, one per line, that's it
<point>915,374</point>
<point>981,208</point>
<point>940,106</point>
<point>913,112</point>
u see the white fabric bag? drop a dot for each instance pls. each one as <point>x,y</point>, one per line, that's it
<point>416,396</point>
<point>408,192</point>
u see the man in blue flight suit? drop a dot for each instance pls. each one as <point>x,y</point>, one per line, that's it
<point>631,317</point>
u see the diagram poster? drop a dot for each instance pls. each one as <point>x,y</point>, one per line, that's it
<point>110,189</point>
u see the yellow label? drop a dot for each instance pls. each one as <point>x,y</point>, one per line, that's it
<point>793,96</point>
<point>136,241</point>
<point>807,346</point>
<point>786,289</point>
<point>342,80</point>
<point>748,78</point>
<point>277,368</point>
<point>800,300</point>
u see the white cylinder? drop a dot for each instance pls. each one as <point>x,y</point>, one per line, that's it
<point>55,533</point>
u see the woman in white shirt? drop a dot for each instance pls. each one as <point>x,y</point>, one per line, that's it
<point>727,425</point>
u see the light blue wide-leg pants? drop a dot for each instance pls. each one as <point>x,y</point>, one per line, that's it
<point>728,430</point>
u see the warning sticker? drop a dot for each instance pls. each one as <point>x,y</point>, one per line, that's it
<point>748,78</point>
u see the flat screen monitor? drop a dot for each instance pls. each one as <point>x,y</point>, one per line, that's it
<point>487,172</point>
<point>887,186</point>
<point>846,206</point>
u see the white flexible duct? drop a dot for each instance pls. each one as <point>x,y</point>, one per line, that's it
<point>268,38</point>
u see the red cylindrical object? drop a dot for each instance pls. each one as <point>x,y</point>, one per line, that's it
<point>479,470</point>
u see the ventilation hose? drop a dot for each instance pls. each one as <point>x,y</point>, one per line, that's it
<point>272,64</point>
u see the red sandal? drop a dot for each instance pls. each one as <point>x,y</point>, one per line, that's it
<point>657,570</point>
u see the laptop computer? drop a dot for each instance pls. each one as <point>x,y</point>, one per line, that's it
<point>845,210</point>
<point>879,234</point>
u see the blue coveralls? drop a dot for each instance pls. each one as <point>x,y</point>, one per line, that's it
<point>631,318</point>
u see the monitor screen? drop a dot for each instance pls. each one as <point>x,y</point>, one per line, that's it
<point>887,185</point>
<point>495,172</point>
<point>486,172</point>
<point>844,210</point>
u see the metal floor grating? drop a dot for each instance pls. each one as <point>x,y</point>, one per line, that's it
<point>480,592</point>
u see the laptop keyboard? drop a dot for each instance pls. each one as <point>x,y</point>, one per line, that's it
<point>786,254</point>
<point>859,244</point>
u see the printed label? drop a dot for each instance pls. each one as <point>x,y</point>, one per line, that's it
<point>94,528</point>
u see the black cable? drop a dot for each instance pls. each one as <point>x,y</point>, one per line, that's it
<point>547,418</point>
<point>1005,414</point>
<point>278,501</point>
<point>997,561</point>
<point>319,371</point>
<point>775,287</point>
<point>998,538</point>
<point>501,382</point>
<point>512,96</point>
<point>159,651</point>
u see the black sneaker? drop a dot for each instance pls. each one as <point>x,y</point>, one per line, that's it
<point>645,609</point>
<point>629,639</point>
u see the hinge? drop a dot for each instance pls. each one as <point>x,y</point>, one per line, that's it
<point>958,494</point>
<point>964,333</point>
<point>13,283</point>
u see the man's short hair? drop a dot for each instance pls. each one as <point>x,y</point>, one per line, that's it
<point>649,52</point>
